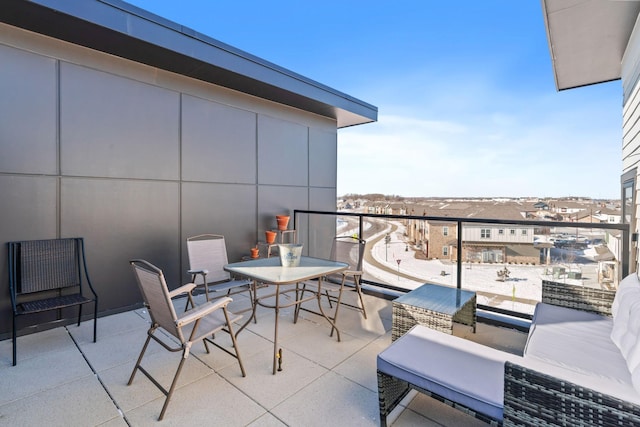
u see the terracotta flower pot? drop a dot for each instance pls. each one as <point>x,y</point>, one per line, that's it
<point>270,236</point>
<point>254,253</point>
<point>283,221</point>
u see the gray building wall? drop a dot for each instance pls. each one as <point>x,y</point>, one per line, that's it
<point>136,159</point>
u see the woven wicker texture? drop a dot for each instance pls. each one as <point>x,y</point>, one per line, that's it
<point>391,391</point>
<point>578,297</point>
<point>52,303</point>
<point>536,399</point>
<point>406,316</point>
<point>48,264</point>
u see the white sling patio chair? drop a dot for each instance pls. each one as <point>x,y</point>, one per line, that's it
<point>207,257</point>
<point>350,250</point>
<point>197,324</point>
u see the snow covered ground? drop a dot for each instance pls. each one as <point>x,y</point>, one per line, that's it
<point>518,293</point>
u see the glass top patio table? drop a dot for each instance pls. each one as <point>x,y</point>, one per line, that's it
<point>270,271</point>
<point>435,306</point>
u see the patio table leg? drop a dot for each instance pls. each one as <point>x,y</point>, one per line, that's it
<point>254,304</point>
<point>275,334</point>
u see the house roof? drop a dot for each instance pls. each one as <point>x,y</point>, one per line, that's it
<point>120,29</point>
<point>587,39</point>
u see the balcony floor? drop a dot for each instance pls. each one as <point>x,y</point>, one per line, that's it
<point>63,378</point>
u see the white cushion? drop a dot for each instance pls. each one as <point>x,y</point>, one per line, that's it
<point>457,369</point>
<point>633,357</point>
<point>628,285</point>
<point>630,337</point>
<point>635,378</point>
<point>577,340</point>
<point>627,296</point>
<point>621,320</point>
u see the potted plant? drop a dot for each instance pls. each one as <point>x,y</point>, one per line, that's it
<point>270,236</point>
<point>283,221</point>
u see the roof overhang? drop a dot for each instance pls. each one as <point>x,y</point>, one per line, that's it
<point>120,29</point>
<point>587,39</point>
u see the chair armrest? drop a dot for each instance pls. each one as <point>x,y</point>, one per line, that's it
<point>203,271</point>
<point>201,311</point>
<point>184,289</point>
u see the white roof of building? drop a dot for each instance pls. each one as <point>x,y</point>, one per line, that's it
<point>587,39</point>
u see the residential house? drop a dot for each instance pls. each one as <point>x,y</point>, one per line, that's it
<point>492,243</point>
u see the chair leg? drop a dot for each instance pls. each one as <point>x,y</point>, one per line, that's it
<point>79,313</point>
<point>14,341</point>
<point>338,301</point>
<point>144,348</point>
<point>299,295</point>
<point>255,318</point>
<point>185,354</point>
<point>95,321</point>
<point>233,340</point>
<point>356,280</point>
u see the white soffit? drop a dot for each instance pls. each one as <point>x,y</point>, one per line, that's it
<point>587,38</point>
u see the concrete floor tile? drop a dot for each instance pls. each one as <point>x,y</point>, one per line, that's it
<point>107,326</point>
<point>267,420</point>
<point>318,346</point>
<point>35,345</point>
<point>361,366</point>
<point>267,389</point>
<point>208,401</point>
<point>330,400</point>
<point>82,402</point>
<point>49,370</point>
<point>162,366</point>
<point>114,350</point>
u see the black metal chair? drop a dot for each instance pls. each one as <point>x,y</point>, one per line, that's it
<point>46,275</point>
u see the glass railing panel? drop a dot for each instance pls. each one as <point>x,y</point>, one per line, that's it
<point>503,262</point>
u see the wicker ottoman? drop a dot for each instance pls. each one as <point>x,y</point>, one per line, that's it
<point>435,307</point>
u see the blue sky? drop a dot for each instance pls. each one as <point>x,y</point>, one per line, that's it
<point>465,93</point>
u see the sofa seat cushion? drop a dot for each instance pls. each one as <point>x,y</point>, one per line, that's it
<point>576,340</point>
<point>628,289</point>
<point>626,312</point>
<point>457,369</point>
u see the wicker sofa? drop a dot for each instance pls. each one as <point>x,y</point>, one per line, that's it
<point>581,364</point>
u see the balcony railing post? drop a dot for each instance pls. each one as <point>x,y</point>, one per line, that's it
<point>626,247</point>
<point>459,251</point>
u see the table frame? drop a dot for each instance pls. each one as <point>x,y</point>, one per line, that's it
<point>432,306</point>
<point>269,271</point>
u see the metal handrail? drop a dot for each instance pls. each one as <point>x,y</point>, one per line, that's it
<point>623,228</point>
